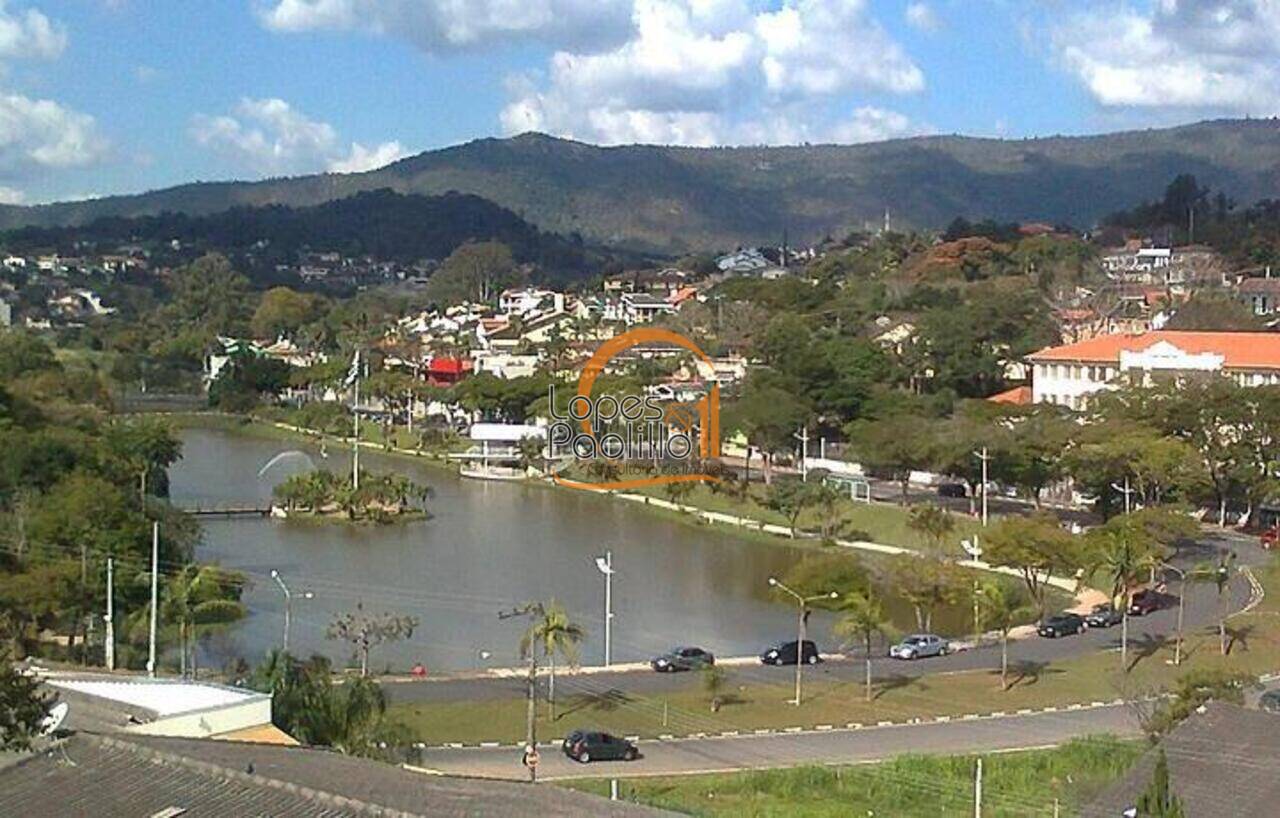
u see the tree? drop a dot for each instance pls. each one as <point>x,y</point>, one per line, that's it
<point>1157,800</point>
<point>790,498</point>
<point>713,682</point>
<point>933,523</point>
<point>1037,548</point>
<point>894,446</point>
<point>474,271</point>
<point>1219,573</point>
<point>306,703</point>
<point>553,633</point>
<point>1121,550</point>
<point>862,618</point>
<point>927,582</point>
<point>1192,690</point>
<point>199,598</point>
<point>283,312</point>
<point>1002,608</point>
<point>23,707</point>
<point>366,631</point>
<point>768,414</point>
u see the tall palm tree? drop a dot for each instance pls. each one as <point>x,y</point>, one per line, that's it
<point>863,618</point>
<point>1122,550</point>
<point>200,598</point>
<point>1003,607</point>
<point>553,633</point>
<point>1219,573</point>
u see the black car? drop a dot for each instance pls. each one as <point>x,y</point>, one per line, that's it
<point>1144,602</point>
<point>1103,616</point>
<point>686,658</point>
<point>585,746</point>
<point>952,490</point>
<point>1062,625</point>
<point>785,654</point>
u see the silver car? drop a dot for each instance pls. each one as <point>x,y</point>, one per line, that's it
<point>920,645</point>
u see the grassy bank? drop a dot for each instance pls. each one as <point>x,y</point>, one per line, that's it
<point>1014,784</point>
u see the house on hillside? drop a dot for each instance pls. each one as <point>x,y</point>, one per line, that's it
<point>1261,295</point>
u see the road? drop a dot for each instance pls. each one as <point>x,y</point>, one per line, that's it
<point>1145,634</point>
<point>723,754</point>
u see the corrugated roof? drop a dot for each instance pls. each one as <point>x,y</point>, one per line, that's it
<point>1240,350</point>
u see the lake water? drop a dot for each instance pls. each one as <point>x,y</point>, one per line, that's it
<point>488,547</point>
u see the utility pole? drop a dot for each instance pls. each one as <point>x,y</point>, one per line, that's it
<point>355,421</point>
<point>531,610</point>
<point>984,457</point>
<point>804,617</point>
<point>155,597</point>
<point>109,647</point>
<point>605,565</point>
<point>977,791</point>
<point>803,437</point>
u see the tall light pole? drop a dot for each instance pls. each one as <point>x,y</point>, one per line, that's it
<point>984,457</point>
<point>605,566</point>
<point>804,615</point>
<point>155,598</point>
<point>109,648</point>
<point>803,437</point>
<point>1182,595</point>
<point>288,605</point>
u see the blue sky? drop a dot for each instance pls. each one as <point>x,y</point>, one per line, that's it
<point>113,96</point>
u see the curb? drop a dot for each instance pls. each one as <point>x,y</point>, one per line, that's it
<point>794,731</point>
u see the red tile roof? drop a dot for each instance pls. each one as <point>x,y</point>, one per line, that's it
<point>1019,395</point>
<point>1240,350</point>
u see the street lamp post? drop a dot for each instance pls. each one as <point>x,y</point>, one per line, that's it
<point>984,457</point>
<point>288,605</point>
<point>605,566</point>
<point>803,601</point>
<point>1182,595</point>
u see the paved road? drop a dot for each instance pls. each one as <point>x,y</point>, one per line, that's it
<point>716,754</point>
<point>1145,634</point>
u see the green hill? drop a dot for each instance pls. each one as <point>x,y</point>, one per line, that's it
<point>675,199</point>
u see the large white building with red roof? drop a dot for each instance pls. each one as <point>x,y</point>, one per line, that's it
<point>1067,375</point>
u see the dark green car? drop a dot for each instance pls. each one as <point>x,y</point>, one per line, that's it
<point>585,746</point>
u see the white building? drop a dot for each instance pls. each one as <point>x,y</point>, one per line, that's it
<point>1067,375</point>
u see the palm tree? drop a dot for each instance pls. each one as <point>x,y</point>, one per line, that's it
<point>864,617</point>
<point>1122,550</point>
<point>1003,607</point>
<point>200,598</point>
<point>553,633</point>
<point>530,449</point>
<point>1219,573</point>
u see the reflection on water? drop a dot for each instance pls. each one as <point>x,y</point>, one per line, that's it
<point>486,548</point>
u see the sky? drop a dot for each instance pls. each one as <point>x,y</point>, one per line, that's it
<point>116,96</point>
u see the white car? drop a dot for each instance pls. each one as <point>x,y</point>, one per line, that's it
<point>920,645</point>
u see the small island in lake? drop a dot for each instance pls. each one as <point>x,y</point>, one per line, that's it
<point>379,498</point>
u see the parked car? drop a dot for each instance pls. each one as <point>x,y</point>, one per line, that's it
<point>683,658</point>
<point>952,490</point>
<point>585,746</point>
<point>1270,701</point>
<point>1144,602</point>
<point>1062,625</point>
<point>920,646</point>
<point>785,654</point>
<point>1103,616</point>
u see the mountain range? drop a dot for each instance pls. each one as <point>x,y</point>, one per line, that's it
<point>677,199</point>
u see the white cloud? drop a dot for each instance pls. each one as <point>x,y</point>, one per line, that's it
<point>40,134</point>
<point>921,15</point>
<point>868,124</point>
<point>29,34</point>
<point>12,196</point>
<point>437,26</point>
<point>703,72</point>
<point>361,158</point>
<point>1213,54</point>
<point>271,137</point>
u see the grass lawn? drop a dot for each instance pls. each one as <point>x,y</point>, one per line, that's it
<point>757,695</point>
<point>1014,784</point>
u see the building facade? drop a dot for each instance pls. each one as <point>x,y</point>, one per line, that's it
<point>1068,375</point>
